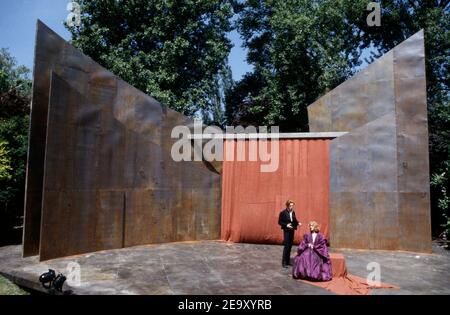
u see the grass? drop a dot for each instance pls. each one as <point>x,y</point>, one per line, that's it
<point>9,288</point>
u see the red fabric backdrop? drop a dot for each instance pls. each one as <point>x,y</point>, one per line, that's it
<point>252,200</point>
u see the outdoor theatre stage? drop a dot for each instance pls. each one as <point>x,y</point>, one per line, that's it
<point>100,175</point>
<point>217,267</point>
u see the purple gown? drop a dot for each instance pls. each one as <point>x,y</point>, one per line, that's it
<point>312,264</point>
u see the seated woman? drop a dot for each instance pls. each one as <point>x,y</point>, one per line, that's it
<point>312,261</point>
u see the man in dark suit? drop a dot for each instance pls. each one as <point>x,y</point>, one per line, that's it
<point>289,224</point>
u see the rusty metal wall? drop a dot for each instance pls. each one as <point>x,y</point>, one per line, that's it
<point>379,172</point>
<point>412,144</point>
<point>100,174</point>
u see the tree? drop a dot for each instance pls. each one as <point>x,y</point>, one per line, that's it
<point>222,84</point>
<point>172,50</point>
<point>15,92</point>
<point>5,162</point>
<point>13,77</point>
<point>300,49</point>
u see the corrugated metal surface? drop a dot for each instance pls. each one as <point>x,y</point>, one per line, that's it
<point>252,200</point>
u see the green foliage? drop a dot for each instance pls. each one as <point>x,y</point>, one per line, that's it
<point>222,83</point>
<point>172,50</point>
<point>5,162</point>
<point>15,92</point>
<point>13,77</point>
<point>14,133</point>
<point>300,49</point>
<point>441,182</point>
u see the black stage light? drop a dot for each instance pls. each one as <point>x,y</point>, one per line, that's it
<point>59,282</point>
<point>54,283</point>
<point>47,278</point>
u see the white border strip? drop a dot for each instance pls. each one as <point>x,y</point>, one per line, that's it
<point>269,135</point>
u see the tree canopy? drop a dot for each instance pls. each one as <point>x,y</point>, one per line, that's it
<point>15,96</point>
<point>175,51</point>
<point>300,49</point>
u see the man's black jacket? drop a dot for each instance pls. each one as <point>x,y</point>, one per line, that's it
<point>284,219</point>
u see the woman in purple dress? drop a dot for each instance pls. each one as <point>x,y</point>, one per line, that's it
<point>312,261</point>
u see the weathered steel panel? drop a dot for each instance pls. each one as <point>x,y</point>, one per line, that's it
<point>321,111</point>
<point>412,144</point>
<point>362,165</point>
<point>383,160</point>
<point>77,214</point>
<point>364,97</point>
<point>414,224</point>
<point>36,139</point>
<point>109,180</point>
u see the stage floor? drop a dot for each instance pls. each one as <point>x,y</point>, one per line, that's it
<point>215,267</point>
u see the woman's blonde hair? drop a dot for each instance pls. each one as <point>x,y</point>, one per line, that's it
<point>315,225</point>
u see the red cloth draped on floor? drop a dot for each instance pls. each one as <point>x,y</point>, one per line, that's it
<point>347,284</point>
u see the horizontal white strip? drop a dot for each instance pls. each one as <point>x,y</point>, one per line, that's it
<point>293,135</point>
